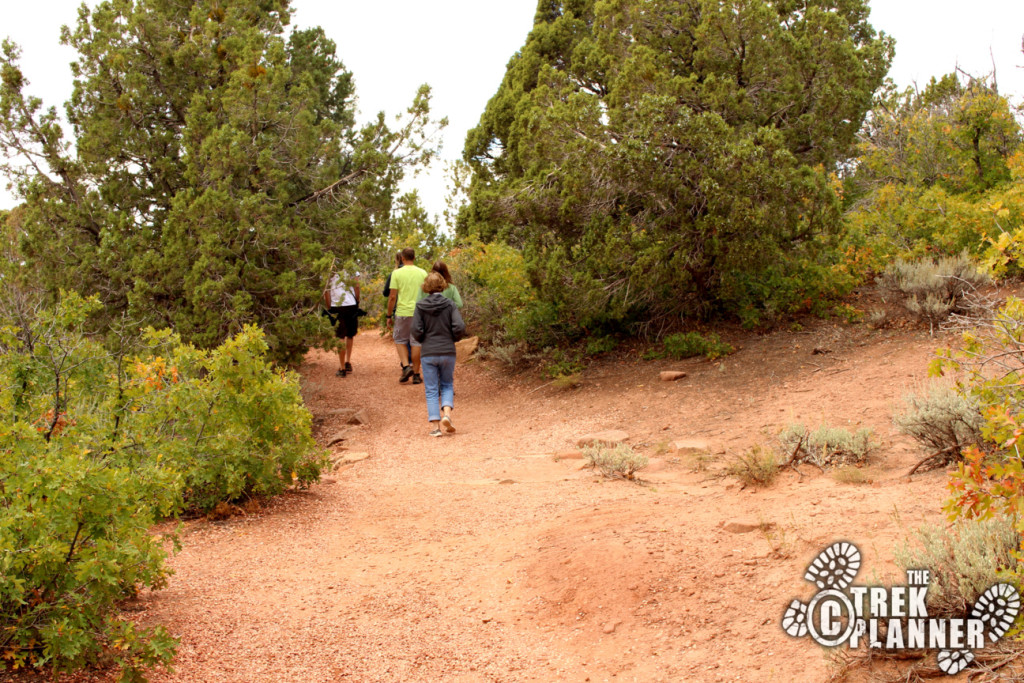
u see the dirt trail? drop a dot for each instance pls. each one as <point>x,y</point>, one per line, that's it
<point>478,557</point>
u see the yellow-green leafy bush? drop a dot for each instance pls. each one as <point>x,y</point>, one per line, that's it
<point>97,442</point>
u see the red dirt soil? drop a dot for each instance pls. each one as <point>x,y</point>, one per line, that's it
<point>480,557</point>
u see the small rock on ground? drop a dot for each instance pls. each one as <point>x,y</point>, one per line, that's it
<point>357,418</point>
<point>466,348</point>
<point>337,437</point>
<point>672,375</point>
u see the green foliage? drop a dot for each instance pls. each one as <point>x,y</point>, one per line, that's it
<point>78,500</point>
<point>563,362</point>
<point>990,480</point>
<point>848,312</point>
<point>230,423</point>
<point>408,225</point>
<point>689,344</point>
<point>915,223</point>
<point>96,444</point>
<point>661,159</point>
<point>934,288</point>
<point>965,560</point>
<point>757,466</point>
<point>941,420</point>
<point>938,172</point>
<point>215,171</point>
<point>598,345</point>
<point>1004,255</point>
<point>500,305</point>
<point>829,445</point>
<point>615,462</point>
<point>953,135</point>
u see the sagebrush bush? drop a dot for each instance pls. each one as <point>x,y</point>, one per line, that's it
<point>757,466</point>
<point>965,559</point>
<point>943,419</point>
<point>827,445</point>
<point>508,355</point>
<point>617,461</point>
<point>97,443</point>
<point>690,344</point>
<point>931,289</point>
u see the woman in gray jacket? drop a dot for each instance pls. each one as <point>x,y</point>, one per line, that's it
<point>437,325</point>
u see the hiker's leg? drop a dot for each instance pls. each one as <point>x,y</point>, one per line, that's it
<point>430,388</point>
<point>416,358</point>
<point>403,326</point>
<point>403,356</point>
<point>446,373</point>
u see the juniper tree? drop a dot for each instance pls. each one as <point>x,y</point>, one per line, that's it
<point>213,170</point>
<point>653,157</point>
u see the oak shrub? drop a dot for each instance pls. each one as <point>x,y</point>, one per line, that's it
<point>98,441</point>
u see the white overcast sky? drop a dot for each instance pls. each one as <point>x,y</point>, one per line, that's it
<point>461,47</point>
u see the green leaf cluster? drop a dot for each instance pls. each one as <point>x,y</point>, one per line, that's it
<point>659,159</point>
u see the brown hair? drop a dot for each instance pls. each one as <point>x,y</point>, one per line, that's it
<point>434,283</point>
<point>398,258</point>
<point>409,254</point>
<point>441,268</point>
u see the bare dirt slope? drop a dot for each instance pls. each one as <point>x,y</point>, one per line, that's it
<point>479,557</point>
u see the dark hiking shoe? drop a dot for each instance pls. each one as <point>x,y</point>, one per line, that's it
<point>416,379</point>
<point>340,373</point>
<point>406,374</point>
<point>348,367</point>
<point>436,432</point>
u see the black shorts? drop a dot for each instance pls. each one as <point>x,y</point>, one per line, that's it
<point>348,321</point>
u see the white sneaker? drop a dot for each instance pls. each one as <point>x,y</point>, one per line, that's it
<point>446,422</point>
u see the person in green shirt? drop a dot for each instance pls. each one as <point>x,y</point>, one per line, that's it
<point>406,284</point>
<point>451,292</point>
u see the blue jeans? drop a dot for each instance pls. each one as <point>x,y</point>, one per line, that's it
<point>438,379</point>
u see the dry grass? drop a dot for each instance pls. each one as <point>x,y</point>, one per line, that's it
<point>758,466</point>
<point>852,475</point>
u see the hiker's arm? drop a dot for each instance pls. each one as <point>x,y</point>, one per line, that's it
<point>458,324</point>
<point>358,293</point>
<point>418,329</point>
<point>392,301</point>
